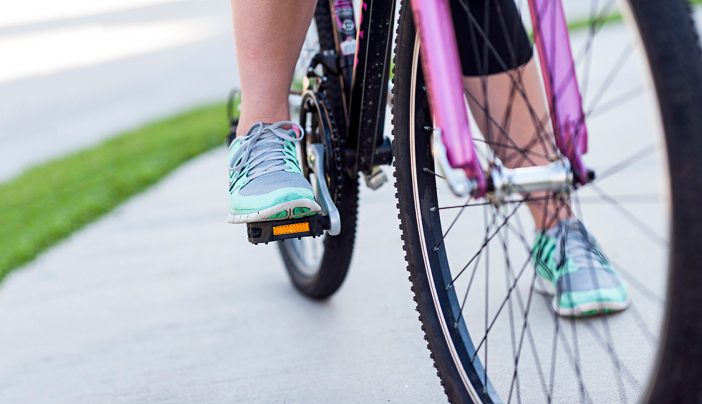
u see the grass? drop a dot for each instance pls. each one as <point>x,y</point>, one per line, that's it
<point>586,23</point>
<point>49,202</point>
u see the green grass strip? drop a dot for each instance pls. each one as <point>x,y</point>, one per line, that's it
<point>586,23</point>
<point>49,202</point>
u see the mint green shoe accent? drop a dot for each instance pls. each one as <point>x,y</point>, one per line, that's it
<point>543,257</point>
<point>245,204</point>
<point>279,216</point>
<point>569,258</point>
<point>300,212</point>
<point>265,178</point>
<point>295,214</point>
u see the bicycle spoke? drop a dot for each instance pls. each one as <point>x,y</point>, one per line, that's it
<point>453,223</point>
<point>508,269</point>
<point>635,282</point>
<point>522,269</point>
<point>426,170</point>
<point>507,202</point>
<point>511,288</point>
<point>532,343</point>
<point>641,323</point>
<point>620,366</point>
<point>641,198</point>
<point>607,82</point>
<point>473,273</point>
<point>577,366</point>
<point>467,205</point>
<point>485,243</point>
<point>572,354</point>
<point>516,82</point>
<point>521,337</point>
<point>615,102</point>
<point>487,299</point>
<point>644,152</point>
<point>554,354</point>
<point>523,151</point>
<point>588,61</point>
<point>521,272</point>
<point>605,321</point>
<point>645,229</point>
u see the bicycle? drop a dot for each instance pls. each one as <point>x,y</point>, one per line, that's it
<point>446,177</point>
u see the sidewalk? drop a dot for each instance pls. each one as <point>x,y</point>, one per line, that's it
<point>164,302</point>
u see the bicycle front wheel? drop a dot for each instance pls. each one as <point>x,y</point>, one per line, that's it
<point>492,336</point>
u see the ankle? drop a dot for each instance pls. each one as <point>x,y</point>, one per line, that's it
<point>248,121</point>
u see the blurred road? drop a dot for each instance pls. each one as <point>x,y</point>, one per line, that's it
<point>162,302</point>
<point>76,72</point>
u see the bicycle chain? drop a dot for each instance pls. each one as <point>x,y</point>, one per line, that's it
<point>329,137</point>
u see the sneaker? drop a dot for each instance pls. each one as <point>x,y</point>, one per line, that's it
<point>265,178</point>
<point>571,264</point>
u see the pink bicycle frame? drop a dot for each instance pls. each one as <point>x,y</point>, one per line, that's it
<point>442,73</point>
<point>560,81</point>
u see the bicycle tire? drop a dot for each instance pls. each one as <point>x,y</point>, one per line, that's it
<point>338,250</point>
<point>672,48</point>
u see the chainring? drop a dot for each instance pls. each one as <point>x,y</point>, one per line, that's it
<point>317,119</point>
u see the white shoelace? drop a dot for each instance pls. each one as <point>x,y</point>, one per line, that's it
<point>262,150</point>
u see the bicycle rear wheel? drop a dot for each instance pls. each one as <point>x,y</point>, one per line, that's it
<point>492,337</point>
<point>318,266</point>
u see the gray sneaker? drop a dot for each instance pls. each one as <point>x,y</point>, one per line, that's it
<point>571,264</point>
<point>265,178</point>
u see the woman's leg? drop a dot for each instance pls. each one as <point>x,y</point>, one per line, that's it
<point>514,118</point>
<point>269,35</point>
<point>265,180</point>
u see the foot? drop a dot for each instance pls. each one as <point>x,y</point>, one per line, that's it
<point>571,263</point>
<point>265,179</point>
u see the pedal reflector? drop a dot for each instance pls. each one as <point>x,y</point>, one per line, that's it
<point>266,232</point>
<point>293,228</point>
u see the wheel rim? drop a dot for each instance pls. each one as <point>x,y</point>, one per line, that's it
<point>306,254</point>
<point>481,388</point>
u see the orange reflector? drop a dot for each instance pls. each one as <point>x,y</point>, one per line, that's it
<point>303,227</point>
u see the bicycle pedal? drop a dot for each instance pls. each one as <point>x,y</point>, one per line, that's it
<point>266,232</point>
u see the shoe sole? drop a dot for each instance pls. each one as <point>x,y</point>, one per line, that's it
<point>282,211</point>
<point>590,309</point>
<point>545,287</point>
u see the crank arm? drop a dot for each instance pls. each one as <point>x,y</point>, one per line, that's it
<point>315,156</point>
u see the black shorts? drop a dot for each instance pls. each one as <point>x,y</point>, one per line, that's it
<point>491,37</point>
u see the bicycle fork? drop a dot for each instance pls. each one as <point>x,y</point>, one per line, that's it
<point>453,146</point>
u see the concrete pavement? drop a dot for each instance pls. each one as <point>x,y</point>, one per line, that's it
<point>162,302</point>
